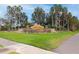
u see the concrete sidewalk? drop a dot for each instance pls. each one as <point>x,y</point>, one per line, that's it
<point>27,49</point>
<point>21,48</point>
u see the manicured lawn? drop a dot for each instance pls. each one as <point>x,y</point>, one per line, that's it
<point>47,41</point>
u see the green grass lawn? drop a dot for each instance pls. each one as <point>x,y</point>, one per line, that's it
<point>46,41</point>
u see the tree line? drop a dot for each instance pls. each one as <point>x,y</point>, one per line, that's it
<point>58,17</point>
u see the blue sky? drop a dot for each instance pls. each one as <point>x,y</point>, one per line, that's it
<point>29,8</point>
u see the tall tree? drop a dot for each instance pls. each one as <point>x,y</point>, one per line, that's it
<point>38,15</point>
<point>16,16</point>
<point>24,19</point>
<point>55,14</point>
<point>64,22</point>
<point>69,18</point>
<point>74,23</point>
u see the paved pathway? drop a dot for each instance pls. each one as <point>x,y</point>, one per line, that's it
<point>27,49</point>
<point>71,46</point>
<point>20,48</point>
<point>5,42</point>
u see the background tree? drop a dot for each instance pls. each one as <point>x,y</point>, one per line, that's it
<point>24,19</point>
<point>64,22</point>
<point>16,16</point>
<point>55,14</point>
<point>38,15</point>
<point>58,17</point>
<point>61,19</point>
<point>74,23</point>
<point>7,26</point>
<point>47,20</point>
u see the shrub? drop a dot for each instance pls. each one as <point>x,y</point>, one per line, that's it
<point>37,27</point>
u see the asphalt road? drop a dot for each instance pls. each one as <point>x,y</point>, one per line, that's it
<point>71,46</point>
